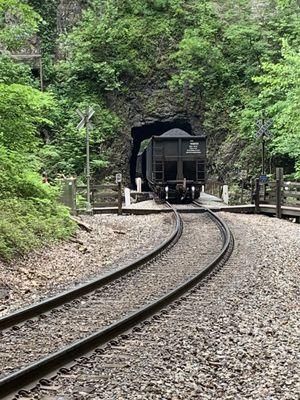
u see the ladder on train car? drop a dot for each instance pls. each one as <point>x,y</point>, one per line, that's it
<point>158,168</point>
<point>200,171</point>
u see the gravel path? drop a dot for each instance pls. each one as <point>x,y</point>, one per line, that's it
<point>92,312</point>
<point>235,338</point>
<point>114,240</point>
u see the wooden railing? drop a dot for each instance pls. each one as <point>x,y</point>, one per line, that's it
<point>289,193</point>
<point>105,195</point>
<point>278,193</point>
<point>214,188</point>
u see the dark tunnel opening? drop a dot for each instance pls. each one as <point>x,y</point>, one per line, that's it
<point>141,133</point>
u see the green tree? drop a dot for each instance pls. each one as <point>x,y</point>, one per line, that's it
<point>29,212</point>
<point>22,110</point>
<point>18,23</point>
<point>280,94</point>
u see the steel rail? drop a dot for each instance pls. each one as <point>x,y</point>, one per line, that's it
<point>53,362</point>
<point>58,300</point>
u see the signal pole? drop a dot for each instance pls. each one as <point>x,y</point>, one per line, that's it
<point>85,122</point>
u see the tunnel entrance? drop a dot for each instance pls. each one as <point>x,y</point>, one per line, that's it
<point>141,133</point>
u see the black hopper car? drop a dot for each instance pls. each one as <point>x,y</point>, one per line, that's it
<point>173,165</point>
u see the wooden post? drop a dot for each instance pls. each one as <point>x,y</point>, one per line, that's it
<point>264,191</point>
<point>279,180</point>
<point>278,198</point>
<point>119,198</point>
<point>41,73</point>
<point>252,190</point>
<point>242,192</point>
<point>220,191</point>
<point>256,196</point>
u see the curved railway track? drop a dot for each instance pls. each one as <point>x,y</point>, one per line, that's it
<point>49,304</point>
<point>116,308</point>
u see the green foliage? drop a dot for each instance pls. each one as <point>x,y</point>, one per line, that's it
<point>122,40</point>
<point>19,177</point>
<point>47,10</point>
<point>22,109</point>
<point>65,153</point>
<point>18,23</point>
<point>14,72</point>
<point>27,224</point>
<point>218,60</point>
<point>280,95</point>
<point>29,212</point>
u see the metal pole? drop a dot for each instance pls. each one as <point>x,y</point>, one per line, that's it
<point>85,122</point>
<point>263,155</point>
<point>256,196</point>
<point>88,174</point>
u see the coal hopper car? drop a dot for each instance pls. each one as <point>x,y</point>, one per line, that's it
<point>173,165</point>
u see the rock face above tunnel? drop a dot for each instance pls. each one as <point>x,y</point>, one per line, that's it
<point>145,112</point>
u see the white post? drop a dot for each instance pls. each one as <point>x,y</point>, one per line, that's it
<point>225,194</point>
<point>127,197</point>
<point>202,188</point>
<point>138,185</point>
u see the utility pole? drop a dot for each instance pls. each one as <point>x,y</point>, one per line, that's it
<point>85,123</point>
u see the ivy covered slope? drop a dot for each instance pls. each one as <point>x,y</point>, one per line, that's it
<point>29,212</point>
<point>226,62</point>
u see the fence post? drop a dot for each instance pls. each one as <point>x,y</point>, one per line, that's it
<point>279,180</point>
<point>256,196</point>
<point>225,194</point>
<point>138,182</point>
<point>220,190</point>
<point>119,198</point>
<point>252,190</point>
<point>119,183</point>
<point>127,197</point>
<point>242,191</point>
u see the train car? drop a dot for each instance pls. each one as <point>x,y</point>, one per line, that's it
<point>174,165</point>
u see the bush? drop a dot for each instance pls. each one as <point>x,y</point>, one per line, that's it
<point>29,212</point>
<point>26,224</point>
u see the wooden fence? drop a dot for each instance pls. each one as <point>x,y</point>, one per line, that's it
<point>279,193</point>
<point>289,193</point>
<point>214,188</point>
<point>105,195</point>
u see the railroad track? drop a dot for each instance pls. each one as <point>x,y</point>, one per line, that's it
<point>99,316</point>
<point>58,300</point>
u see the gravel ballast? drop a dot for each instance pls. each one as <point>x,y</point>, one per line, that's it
<point>236,337</point>
<point>113,241</point>
<point>94,311</point>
